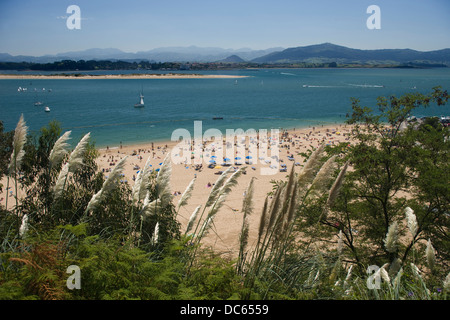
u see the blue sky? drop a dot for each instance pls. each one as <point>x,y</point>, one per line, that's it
<point>38,27</point>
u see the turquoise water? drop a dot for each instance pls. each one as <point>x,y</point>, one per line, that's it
<point>268,98</point>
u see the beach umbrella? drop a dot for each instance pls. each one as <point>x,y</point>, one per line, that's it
<point>237,158</point>
<point>212,161</point>
<point>248,157</point>
<point>213,157</point>
<point>157,169</point>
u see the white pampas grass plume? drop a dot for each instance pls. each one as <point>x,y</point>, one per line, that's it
<point>385,275</point>
<point>115,174</point>
<point>76,156</point>
<point>311,166</point>
<point>431,255</point>
<point>155,234</point>
<point>349,274</point>
<point>340,244</point>
<point>224,191</point>
<point>163,180</point>
<point>24,226</point>
<point>447,283</point>
<point>416,271</point>
<point>192,218</point>
<point>215,189</point>
<point>142,182</point>
<point>247,209</point>
<point>20,137</point>
<point>59,185</point>
<point>395,266</point>
<point>186,194</point>
<point>322,178</point>
<point>334,191</point>
<point>411,221</point>
<point>59,149</point>
<point>391,240</point>
<point>95,201</point>
<point>107,186</point>
<point>150,208</point>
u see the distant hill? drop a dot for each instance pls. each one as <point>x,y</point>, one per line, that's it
<point>165,54</point>
<point>232,59</point>
<point>328,52</point>
<point>325,53</point>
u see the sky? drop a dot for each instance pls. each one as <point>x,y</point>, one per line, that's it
<point>39,27</point>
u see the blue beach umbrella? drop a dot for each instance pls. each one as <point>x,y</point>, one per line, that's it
<point>248,157</point>
<point>212,161</point>
<point>237,158</point>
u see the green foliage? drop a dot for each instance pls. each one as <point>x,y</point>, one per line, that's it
<point>316,238</point>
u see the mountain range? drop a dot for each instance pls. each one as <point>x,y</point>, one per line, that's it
<point>320,53</point>
<point>164,54</point>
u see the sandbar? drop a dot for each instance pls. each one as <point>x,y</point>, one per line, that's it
<point>120,76</point>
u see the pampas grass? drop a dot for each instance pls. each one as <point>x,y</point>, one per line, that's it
<point>335,188</point>
<point>430,255</point>
<point>59,149</point>
<point>247,209</point>
<point>141,183</point>
<point>163,181</point>
<point>77,155</point>
<point>447,283</point>
<point>24,226</point>
<point>108,185</point>
<point>192,219</point>
<point>411,221</point>
<point>391,240</point>
<point>222,195</point>
<point>60,182</point>
<point>155,236</point>
<point>186,195</point>
<point>216,187</point>
<point>20,137</point>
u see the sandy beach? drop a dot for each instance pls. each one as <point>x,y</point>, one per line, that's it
<point>121,76</point>
<point>228,221</point>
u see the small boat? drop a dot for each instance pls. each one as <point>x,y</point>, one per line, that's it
<point>217,118</point>
<point>47,109</point>
<point>141,102</point>
<point>38,103</point>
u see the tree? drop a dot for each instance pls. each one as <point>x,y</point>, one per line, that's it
<point>393,165</point>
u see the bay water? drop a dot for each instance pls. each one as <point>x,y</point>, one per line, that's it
<point>264,99</point>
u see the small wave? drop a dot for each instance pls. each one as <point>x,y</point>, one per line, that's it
<point>314,86</point>
<point>366,85</point>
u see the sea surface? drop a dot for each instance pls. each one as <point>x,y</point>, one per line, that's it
<point>266,98</point>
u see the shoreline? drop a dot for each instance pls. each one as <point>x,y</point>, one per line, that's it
<point>292,147</point>
<point>290,130</point>
<point>120,76</point>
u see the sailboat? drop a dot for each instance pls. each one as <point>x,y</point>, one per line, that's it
<point>141,102</point>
